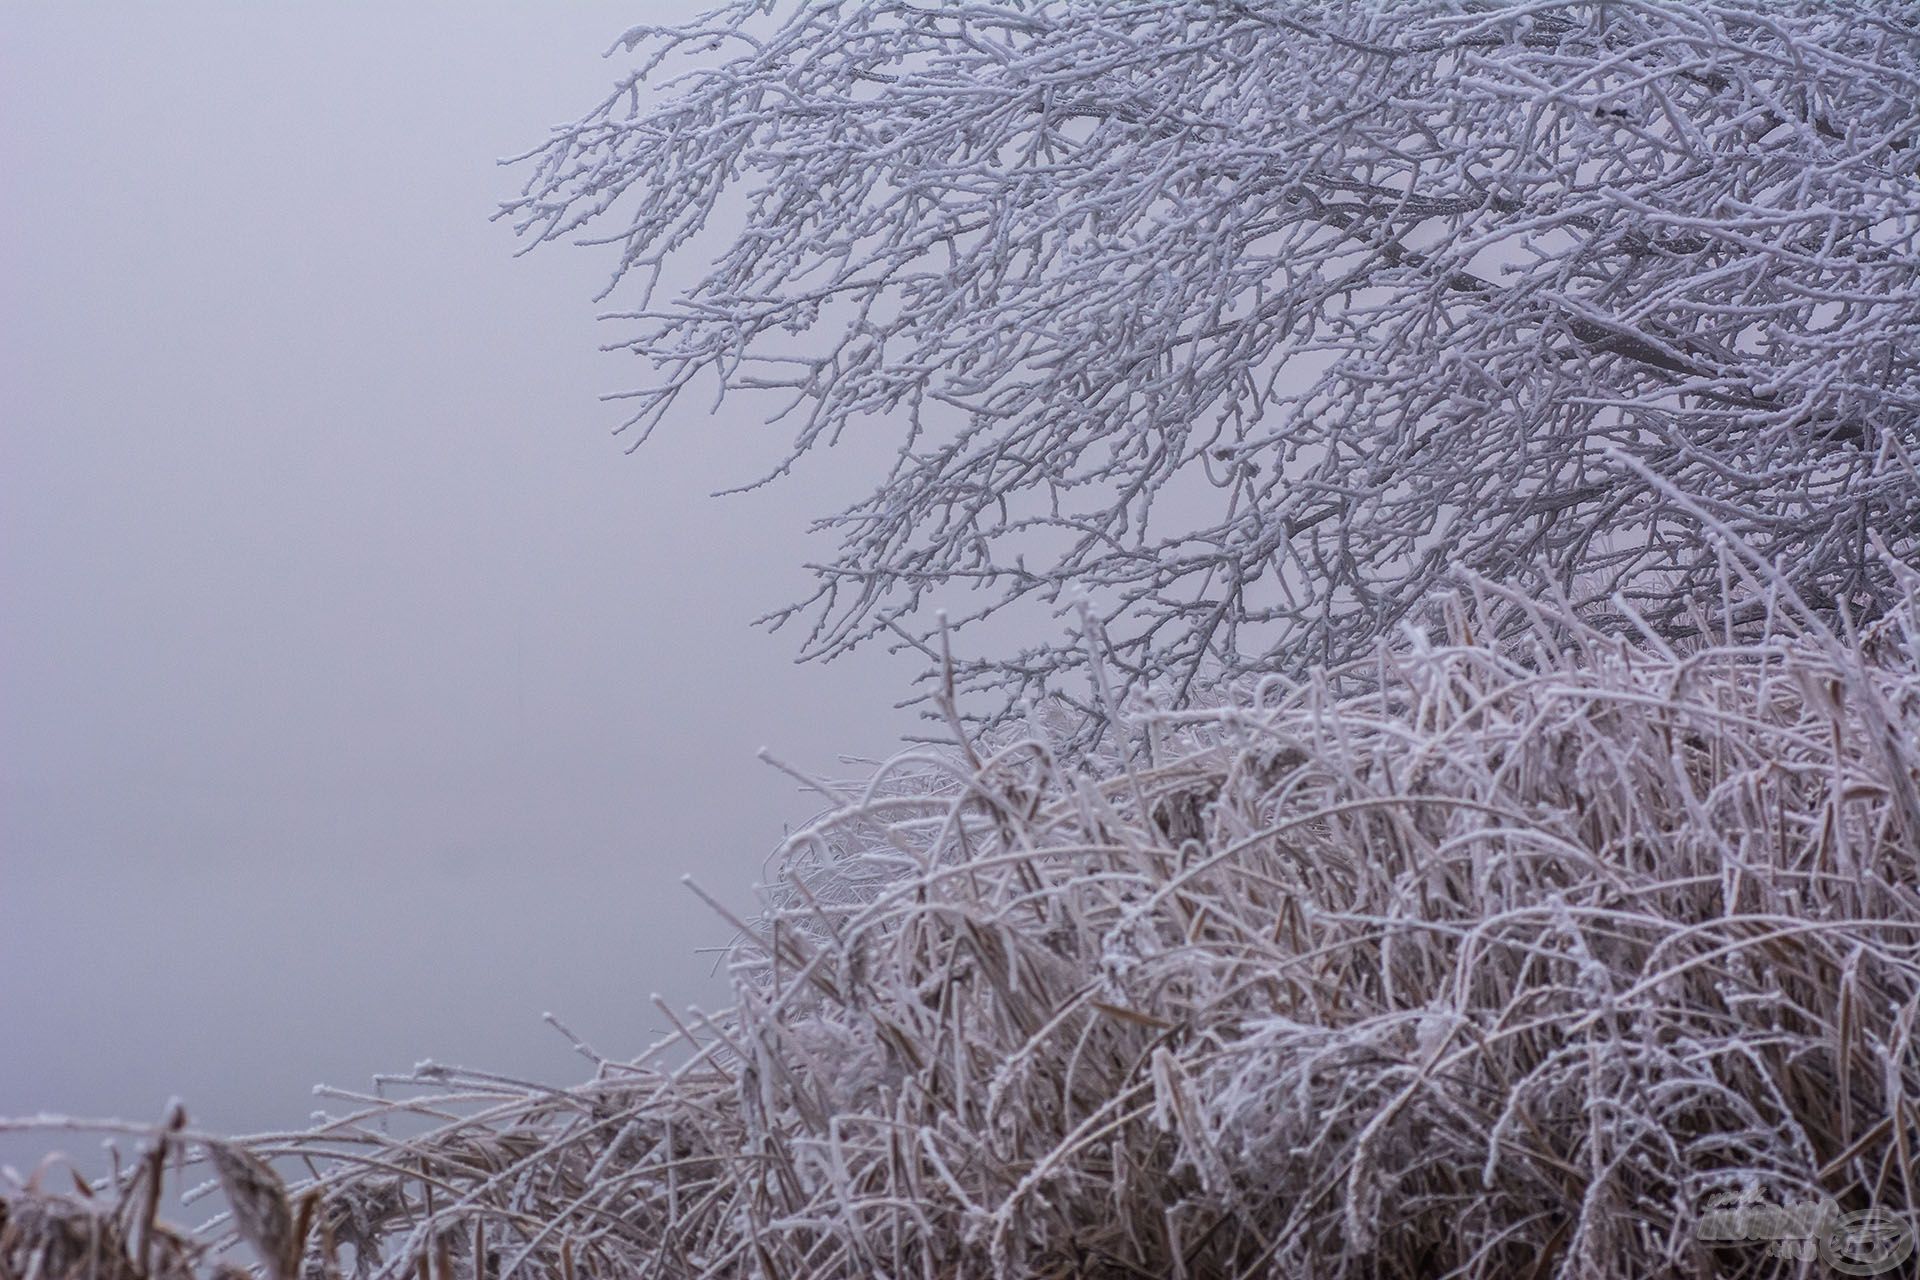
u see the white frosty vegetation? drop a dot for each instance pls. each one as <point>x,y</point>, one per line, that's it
<point>1501,959</point>
<point>1257,320</point>
<point>1482,437</point>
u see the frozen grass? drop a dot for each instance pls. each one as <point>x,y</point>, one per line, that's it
<point>1486,958</point>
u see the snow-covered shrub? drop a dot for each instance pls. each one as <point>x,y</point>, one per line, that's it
<point>1472,959</point>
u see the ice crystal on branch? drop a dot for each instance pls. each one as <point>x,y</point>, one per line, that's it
<point>1255,321</point>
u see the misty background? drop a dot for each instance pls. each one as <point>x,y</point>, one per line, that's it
<point>362,697</point>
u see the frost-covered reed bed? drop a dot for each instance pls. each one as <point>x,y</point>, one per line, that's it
<point>1481,959</point>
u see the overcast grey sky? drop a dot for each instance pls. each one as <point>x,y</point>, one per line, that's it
<point>362,698</point>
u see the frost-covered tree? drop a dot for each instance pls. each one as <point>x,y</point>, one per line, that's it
<point>1255,320</point>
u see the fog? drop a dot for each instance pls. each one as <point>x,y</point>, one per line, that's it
<point>363,698</point>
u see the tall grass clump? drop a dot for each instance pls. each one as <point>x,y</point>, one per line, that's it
<point>1501,954</point>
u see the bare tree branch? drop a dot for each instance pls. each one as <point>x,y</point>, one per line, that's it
<point>1252,322</point>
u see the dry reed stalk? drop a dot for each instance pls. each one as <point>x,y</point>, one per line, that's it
<point>1502,954</point>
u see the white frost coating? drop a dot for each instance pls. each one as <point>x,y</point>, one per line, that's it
<point>1499,950</point>
<point>1504,961</point>
<point>1254,321</point>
